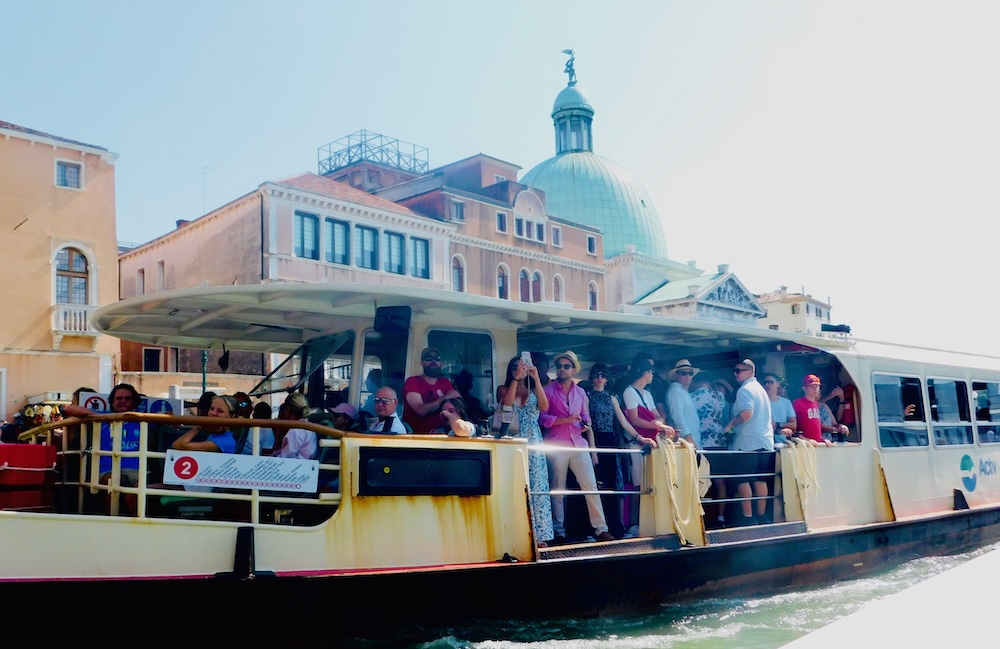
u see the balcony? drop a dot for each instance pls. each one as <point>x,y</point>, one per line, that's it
<point>73,320</point>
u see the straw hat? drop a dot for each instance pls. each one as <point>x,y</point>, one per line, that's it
<point>572,359</point>
<point>683,364</point>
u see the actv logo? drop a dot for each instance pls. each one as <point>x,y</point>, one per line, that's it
<point>967,470</point>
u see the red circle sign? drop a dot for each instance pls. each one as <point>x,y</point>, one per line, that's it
<point>185,467</point>
<point>96,403</point>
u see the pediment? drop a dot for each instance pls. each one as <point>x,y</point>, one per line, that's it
<point>731,293</point>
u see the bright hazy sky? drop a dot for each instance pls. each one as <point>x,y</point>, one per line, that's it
<point>851,148</point>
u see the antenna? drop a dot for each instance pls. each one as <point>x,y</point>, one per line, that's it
<point>204,175</point>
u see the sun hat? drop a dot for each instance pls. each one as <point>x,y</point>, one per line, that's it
<point>683,364</point>
<point>572,359</point>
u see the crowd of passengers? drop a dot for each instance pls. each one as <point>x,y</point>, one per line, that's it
<point>642,408</point>
<point>636,410</point>
<point>646,405</point>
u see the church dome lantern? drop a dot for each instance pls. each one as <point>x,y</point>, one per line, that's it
<point>588,189</point>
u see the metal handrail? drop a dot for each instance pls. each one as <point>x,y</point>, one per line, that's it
<point>631,492</point>
<point>88,455</point>
<point>599,492</point>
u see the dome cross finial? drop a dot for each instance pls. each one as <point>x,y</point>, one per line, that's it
<point>569,67</point>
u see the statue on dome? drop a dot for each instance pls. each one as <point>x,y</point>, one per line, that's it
<point>569,67</point>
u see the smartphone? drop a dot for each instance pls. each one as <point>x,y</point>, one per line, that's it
<point>526,359</point>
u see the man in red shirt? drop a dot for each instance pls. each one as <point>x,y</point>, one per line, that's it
<point>424,394</point>
<point>807,412</point>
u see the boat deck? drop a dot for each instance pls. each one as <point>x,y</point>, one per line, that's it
<point>670,542</point>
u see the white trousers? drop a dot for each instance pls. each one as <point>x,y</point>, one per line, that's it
<point>578,461</point>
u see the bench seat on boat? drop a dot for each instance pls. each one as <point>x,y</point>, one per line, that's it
<point>27,476</point>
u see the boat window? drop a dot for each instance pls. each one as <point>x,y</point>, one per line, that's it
<point>900,410</point>
<point>337,374</point>
<point>468,362</point>
<point>304,361</point>
<point>986,397</point>
<point>383,364</point>
<point>949,399</point>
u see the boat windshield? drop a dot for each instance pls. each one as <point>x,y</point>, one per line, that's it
<point>303,363</point>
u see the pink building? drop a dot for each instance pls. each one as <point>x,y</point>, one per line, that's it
<point>464,227</point>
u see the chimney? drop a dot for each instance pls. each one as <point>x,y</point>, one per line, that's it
<point>692,291</point>
<point>723,269</point>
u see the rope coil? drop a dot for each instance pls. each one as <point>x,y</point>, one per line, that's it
<point>803,456</point>
<point>694,507</point>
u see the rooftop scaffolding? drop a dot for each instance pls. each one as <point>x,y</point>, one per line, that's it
<point>368,146</point>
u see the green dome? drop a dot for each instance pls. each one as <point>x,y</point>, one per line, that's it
<point>585,188</point>
<point>589,189</point>
<point>571,98</point>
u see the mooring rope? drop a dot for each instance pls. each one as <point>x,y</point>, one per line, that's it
<point>803,456</point>
<point>672,485</point>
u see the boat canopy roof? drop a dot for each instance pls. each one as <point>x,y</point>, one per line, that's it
<point>278,318</point>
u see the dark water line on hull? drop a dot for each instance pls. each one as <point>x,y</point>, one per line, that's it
<point>765,622</point>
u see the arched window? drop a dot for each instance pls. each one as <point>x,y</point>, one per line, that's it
<point>503,288</point>
<point>457,275</point>
<point>536,287</point>
<point>72,277</point>
<point>592,297</point>
<point>525,286</point>
<point>557,289</point>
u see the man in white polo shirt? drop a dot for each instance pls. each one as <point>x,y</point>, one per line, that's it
<point>754,434</point>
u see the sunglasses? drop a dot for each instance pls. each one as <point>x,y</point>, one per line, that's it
<point>431,359</point>
<point>383,400</point>
<point>685,373</point>
<point>564,366</point>
<point>600,375</point>
<point>740,370</point>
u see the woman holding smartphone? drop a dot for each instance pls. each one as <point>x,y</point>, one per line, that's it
<point>523,390</point>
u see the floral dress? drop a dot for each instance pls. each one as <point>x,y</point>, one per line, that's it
<point>538,469</point>
<point>609,467</point>
<point>711,407</point>
<point>602,414</point>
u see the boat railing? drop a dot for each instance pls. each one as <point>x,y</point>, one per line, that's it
<point>78,450</point>
<point>642,486</point>
<point>726,459</point>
